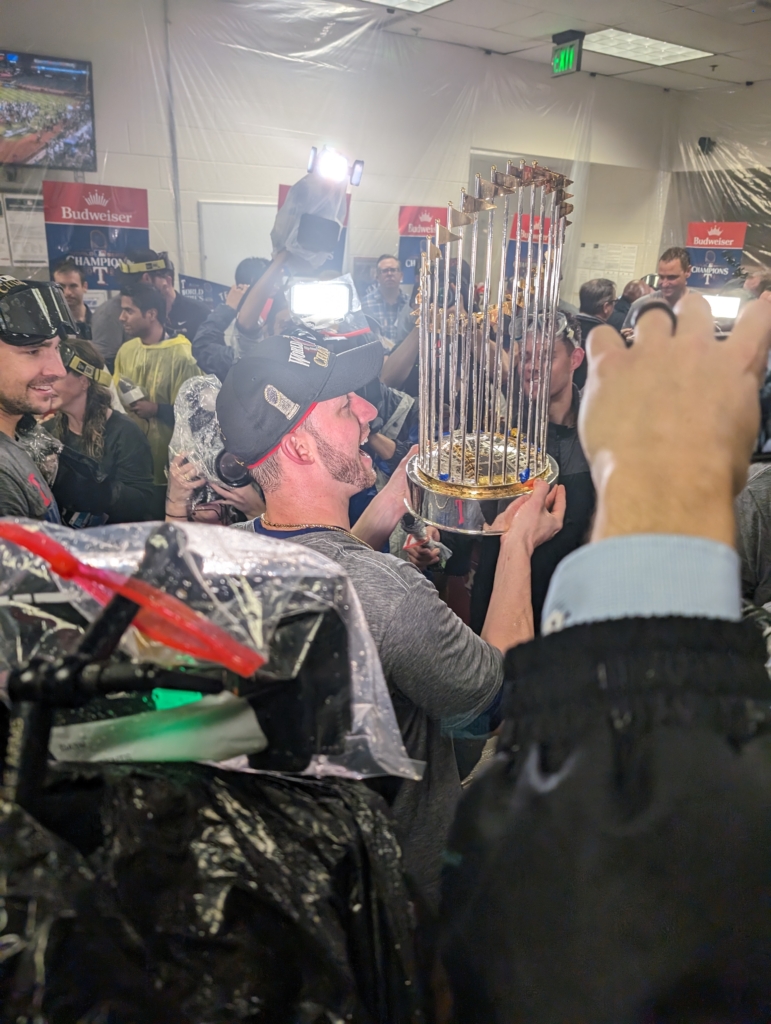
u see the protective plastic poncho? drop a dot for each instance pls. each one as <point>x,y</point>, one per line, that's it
<point>160,370</point>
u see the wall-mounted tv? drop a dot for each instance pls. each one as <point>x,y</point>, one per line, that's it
<point>46,112</point>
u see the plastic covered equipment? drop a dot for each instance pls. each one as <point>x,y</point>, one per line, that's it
<point>320,697</point>
<point>180,894</point>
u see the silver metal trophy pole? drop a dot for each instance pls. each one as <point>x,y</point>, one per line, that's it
<point>469,470</point>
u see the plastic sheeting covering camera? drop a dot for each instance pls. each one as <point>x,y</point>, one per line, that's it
<point>248,586</point>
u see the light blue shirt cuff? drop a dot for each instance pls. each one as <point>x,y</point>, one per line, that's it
<point>645,575</point>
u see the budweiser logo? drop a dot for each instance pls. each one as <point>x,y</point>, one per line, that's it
<point>96,199</point>
<point>424,217</point>
<point>715,231</point>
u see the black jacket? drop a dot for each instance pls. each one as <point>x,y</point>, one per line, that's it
<point>117,489</point>
<point>612,864</point>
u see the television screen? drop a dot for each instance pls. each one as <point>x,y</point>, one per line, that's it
<point>46,112</point>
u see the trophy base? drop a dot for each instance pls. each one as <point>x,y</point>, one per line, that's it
<point>465,508</point>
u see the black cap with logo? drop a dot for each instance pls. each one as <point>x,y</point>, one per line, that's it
<point>265,396</point>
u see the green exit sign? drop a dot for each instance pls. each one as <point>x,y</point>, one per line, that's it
<point>566,53</point>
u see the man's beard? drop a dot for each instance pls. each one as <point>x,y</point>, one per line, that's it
<point>345,469</point>
<point>23,404</point>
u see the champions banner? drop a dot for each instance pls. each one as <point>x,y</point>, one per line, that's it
<point>416,223</point>
<point>94,226</point>
<point>716,249</point>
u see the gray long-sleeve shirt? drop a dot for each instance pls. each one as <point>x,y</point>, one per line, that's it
<point>436,668</point>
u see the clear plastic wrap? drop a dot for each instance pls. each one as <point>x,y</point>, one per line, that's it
<point>197,432</point>
<point>249,584</point>
<point>317,197</point>
<point>43,448</point>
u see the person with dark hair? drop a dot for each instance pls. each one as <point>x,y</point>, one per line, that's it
<point>234,327</point>
<point>292,416</point>
<point>598,299</point>
<point>183,314</point>
<point>30,365</point>
<point>384,302</point>
<point>633,290</point>
<point>106,327</point>
<point>156,364</point>
<point>113,482</point>
<point>251,270</point>
<point>563,444</point>
<point>674,270</point>
<point>72,280</point>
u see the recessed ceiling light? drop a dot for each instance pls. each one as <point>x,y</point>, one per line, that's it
<point>640,48</point>
<point>414,6</point>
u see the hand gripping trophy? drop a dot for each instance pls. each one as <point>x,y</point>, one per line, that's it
<point>485,356</point>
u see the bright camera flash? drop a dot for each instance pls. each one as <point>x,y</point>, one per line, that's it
<point>332,165</point>
<point>320,300</point>
<point>724,307</point>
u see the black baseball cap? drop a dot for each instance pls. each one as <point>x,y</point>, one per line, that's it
<point>267,395</point>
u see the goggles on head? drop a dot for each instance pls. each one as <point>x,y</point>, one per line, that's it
<point>546,326</point>
<point>32,312</point>
<point>72,361</point>
<point>147,266</point>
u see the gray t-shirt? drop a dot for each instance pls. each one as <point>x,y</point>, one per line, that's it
<point>753,534</point>
<point>436,668</point>
<point>107,331</point>
<point>23,491</point>
<point>642,301</point>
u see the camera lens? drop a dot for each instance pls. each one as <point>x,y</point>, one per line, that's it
<point>231,470</point>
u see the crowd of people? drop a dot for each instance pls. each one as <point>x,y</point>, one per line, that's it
<point>651,424</point>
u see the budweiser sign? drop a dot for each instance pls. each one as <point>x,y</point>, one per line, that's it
<point>717,235</point>
<point>420,221</point>
<point>97,205</point>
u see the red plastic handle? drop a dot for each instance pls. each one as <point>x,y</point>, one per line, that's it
<point>162,617</point>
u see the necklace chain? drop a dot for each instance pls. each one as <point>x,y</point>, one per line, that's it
<point>311,526</point>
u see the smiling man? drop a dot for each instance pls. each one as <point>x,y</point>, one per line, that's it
<point>32,319</point>
<point>291,415</point>
<point>674,270</point>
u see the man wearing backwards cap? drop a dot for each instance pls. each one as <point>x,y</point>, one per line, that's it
<point>33,320</point>
<point>291,415</point>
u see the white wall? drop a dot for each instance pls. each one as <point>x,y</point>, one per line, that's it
<point>256,84</point>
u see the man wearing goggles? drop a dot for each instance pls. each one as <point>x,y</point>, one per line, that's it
<point>34,319</point>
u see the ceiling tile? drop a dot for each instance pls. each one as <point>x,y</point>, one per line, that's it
<point>727,69</point>
<point>755,56</point>
<point>605,12</point>
<point>546,23</point>
<point>541,54</point>
<point>604,64</point>
<point>690,28</point>
<point>483,13</point>
<point>734,11</point>
<point>464,35</point>
<point>669,79</point>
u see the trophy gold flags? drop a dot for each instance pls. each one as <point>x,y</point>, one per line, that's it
<point>485,351</point>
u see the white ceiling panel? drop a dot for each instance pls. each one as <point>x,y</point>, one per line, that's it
<point>541,54</point>
<point>740,39</point>
<point>669,79</point>
<point>734,11</point>
<point>464,35</point>
<point>690,28</point>
<point>547,23</point>
<point>487,14</point>
<point>604,64</point>
<point>727,69</point>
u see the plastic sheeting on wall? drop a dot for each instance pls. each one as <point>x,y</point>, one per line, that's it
<point>230,108</point>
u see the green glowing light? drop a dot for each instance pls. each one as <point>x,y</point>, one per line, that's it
<point>165,699</point>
